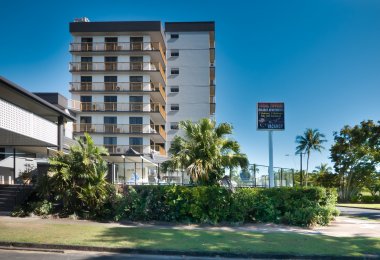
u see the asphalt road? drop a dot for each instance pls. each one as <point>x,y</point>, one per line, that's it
<point>78,255</point>
<point>362,213</point>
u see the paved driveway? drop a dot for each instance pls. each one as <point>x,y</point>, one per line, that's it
<point>363,213</point>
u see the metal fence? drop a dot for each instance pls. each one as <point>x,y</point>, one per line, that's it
<point>257,176</point>
<point>254,176</point>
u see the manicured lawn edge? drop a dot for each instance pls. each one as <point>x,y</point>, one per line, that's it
<point>57,248</point>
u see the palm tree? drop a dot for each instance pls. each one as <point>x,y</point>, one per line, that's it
<point>322,169</point>
<point>79,177</point>
<point>311,140</point>
<point>205,151</point>
<point>324,176</point>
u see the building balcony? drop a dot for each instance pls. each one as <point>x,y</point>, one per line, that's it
<point>115,149</point>
<point>155,89</point>
<point>150,67</point>
<point>156,132</point>
<point>121,47</point>
<point>212,73</point>
<point>212,90</point>
<point>156,110</point>
<point>212,55</point>
<point>212,108</point>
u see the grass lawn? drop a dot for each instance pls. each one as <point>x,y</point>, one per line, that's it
<point>186,240</point>
<point>360,205</point>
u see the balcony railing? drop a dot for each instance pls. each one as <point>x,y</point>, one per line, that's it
<point>118,86</point>
<point>212,90</point>
<point>212,108</point>
<point>143,149</point>
<point>117,46</point>
<point>120,129</point>
<point>117,107</point>
<point>118,66</point>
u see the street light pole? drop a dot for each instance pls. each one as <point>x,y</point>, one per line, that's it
<point>123,156</point>
<point>301,174</point>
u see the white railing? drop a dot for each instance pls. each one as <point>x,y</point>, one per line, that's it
<point>114,66</point>
<point>120,128</point>
<point>115,86</point>
<point>143,149</point>
<point>117,46</point>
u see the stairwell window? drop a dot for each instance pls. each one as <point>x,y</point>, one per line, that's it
<point>174,107</point>
<point>174,53</point>
<point>174,126</point>
<point>174,71</point>
<point>174,89</point>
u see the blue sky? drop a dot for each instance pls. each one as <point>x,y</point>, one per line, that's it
<point>322,58</point>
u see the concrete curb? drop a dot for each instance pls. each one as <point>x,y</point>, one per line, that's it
<point>56,248</point>
<point>356,207</point>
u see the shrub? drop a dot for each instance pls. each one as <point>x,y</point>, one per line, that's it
<point>19,212</point>
<point>214,204</point>
<point>369,199</point>
<point>41,208</point>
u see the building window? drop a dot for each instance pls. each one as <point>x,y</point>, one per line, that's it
<point>110,103</point>
<point>174,89</point>
<point>110,120</point>
<point>86,44</point>
<point>135,120</point>
<point>174,107</point>
<point>174,71</point>
<point>136,143</point>
<point>110,140</point>
<point>174,53</point>
<point>174,36</point>
<point>174,126</point>
<point>110,99</point>
<point>86,83</point>
<point>2,153</point>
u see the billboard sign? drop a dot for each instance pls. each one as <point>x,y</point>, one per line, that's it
<point>270,116</point>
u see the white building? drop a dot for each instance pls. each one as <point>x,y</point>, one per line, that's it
<point>32,127</point>
<point>190,73</point>
<point>132,82</point>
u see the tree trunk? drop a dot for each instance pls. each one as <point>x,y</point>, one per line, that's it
<point>307,168</point>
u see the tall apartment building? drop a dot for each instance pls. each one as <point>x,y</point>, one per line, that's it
<point>132,82</point>
<point>190,73</point>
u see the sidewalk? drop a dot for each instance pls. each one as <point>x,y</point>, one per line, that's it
<point>341,227</point>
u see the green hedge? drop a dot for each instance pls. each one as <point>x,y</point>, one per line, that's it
<point>213,204</point>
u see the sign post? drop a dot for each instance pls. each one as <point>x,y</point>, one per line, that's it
<point>270,117</point>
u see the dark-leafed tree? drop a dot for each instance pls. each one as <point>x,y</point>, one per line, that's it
<point>356,156</point>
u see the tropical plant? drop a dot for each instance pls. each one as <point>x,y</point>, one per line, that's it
<point>356,157</point>
<point>78,179</point>
<point>311,140</point>
<point>324,177</point>
<point>205,151</point>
